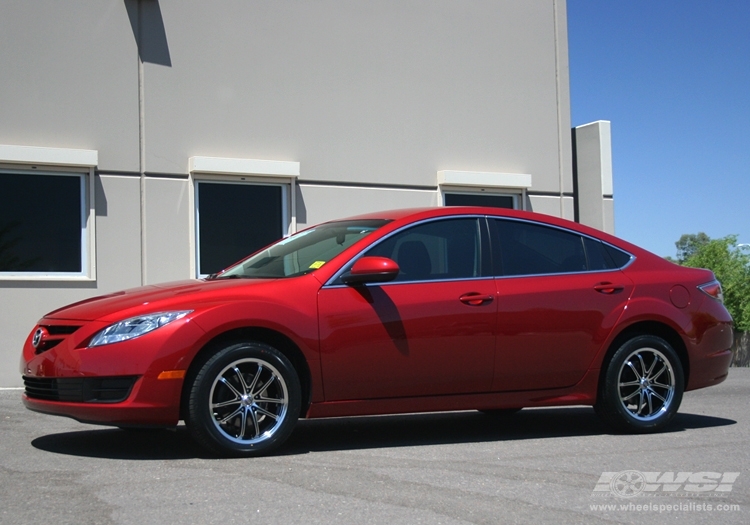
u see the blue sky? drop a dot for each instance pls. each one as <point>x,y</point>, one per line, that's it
<point>673,77</point>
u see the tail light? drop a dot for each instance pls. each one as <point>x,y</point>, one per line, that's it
<point>713,289</point>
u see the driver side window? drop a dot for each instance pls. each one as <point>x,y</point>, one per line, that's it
<point>436,250</point>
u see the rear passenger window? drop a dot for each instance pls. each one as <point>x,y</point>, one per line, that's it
<point>530,249</point>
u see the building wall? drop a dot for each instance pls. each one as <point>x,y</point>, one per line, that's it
<point>372,99</point>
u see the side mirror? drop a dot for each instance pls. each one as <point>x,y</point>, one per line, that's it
<point>371,270</point>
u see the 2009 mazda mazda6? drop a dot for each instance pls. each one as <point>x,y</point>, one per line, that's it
<point>402,311</point>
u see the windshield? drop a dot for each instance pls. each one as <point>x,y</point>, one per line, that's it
<point>303,252</point>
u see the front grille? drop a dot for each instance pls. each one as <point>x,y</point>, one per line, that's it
<point>60,329</point>
<point>57,333</point>
<point>80,389</point>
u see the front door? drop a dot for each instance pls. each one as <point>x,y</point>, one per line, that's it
<point>429,332</point>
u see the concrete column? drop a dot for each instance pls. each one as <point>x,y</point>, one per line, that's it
<point>592,165</point>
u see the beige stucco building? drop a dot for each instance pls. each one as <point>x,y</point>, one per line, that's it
<point>149,141</point>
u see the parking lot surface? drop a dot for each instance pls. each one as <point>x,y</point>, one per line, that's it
<point>557,465</point>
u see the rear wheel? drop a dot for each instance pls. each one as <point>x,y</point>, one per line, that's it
<point>244,401</point>
<point>642,386</point>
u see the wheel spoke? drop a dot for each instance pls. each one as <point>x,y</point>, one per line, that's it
<point>641,402</point>
<point>243,423</point>
<point>263,388</point>
<point>630,383</point>
<point>643,365</point>
<point>231,416</point>
<point>663,400</point>
<point>650,402</point>
<point>226,403</point>
<point>655,377</point>
<point>270,400</point>
<point>637,375</point>
<point>254,417</point>
<point>251,388</point>
<point>631,396</point>
<point>245,390</point>
<point>231,387</point>
<point>266,412</point>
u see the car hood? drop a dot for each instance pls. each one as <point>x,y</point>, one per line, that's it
<point>155,298</point>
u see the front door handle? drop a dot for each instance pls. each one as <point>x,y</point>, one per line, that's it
<point>475,299</point>
<point>608,288</point>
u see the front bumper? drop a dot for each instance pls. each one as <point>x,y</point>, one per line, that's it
<point>117,384</point>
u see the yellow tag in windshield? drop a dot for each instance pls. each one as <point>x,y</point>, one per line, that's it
<point>317,264</point>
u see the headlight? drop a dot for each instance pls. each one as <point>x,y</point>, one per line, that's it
<point>135,327</point>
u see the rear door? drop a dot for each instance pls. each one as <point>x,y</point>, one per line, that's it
<point>559,297</point>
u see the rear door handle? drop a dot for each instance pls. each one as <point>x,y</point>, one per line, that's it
<point>608,288</point>
<point>475,299</point>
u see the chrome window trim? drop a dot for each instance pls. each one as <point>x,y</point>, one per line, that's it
<point>345,267</point>
<point>330,283</point>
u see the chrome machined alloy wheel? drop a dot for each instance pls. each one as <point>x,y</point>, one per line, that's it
<point>641,385</point>
<point>248,400</point>
<point>646,384</point>
<point>244,400</point>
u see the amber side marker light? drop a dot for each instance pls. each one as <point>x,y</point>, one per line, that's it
<point>713,289</point>
<point>172,374</point>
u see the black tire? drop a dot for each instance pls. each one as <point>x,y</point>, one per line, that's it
<point>244,401</point>
<point>642,385</point>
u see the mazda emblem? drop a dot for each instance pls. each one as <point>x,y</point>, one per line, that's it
<point>39,336</point>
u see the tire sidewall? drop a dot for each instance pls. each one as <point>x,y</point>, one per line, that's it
<point>200,418</point>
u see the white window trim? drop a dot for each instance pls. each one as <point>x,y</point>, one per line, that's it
<point>240,171</point>
<point>60,161</point>
<point>484,182</point>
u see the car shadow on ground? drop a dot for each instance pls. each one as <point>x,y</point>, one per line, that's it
<point>320,435</point>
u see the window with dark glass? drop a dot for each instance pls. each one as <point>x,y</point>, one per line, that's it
<point>530,249</point>
<point>489,200</point>
<point>41,223</point>
<point>235,220</point>
<point>444,249</point>
<point>596,255</point>
<point>619,258</point>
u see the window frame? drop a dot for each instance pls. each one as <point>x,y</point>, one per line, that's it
<point>240,171</point>
<point>497,263</point>
<point>196,213</point>
<point>514,185</point>
<point>27,160</point>
<point>485,246</point>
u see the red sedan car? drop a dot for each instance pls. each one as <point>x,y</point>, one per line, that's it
<point>401,311</point>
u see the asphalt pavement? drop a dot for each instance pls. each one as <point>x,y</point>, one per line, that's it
<point>557,465</point>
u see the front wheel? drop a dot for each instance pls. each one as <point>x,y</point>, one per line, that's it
<point>244,401</point>
<point>642,386</point>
